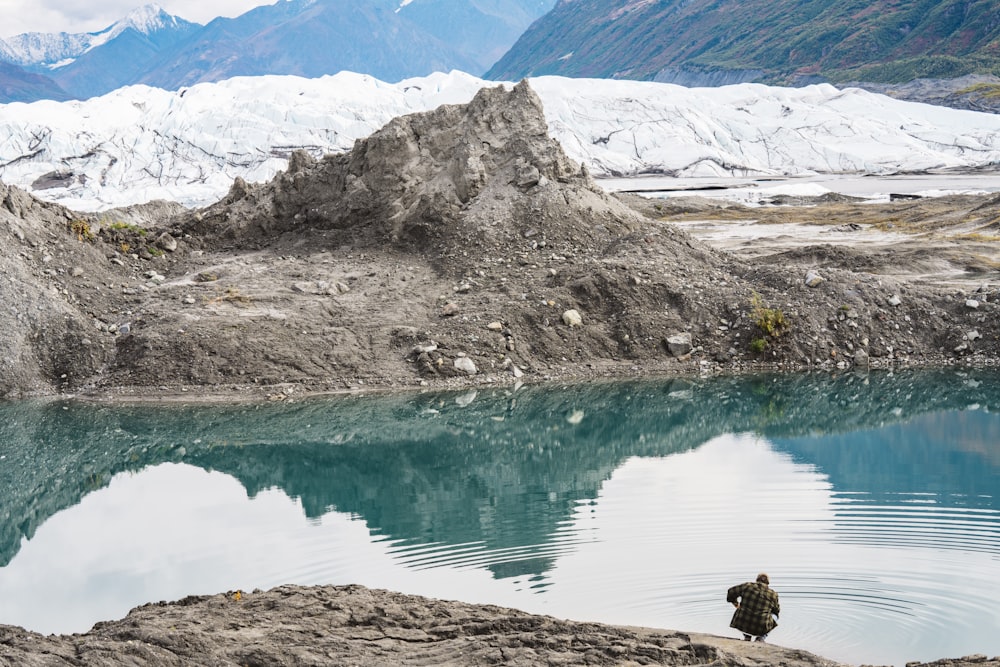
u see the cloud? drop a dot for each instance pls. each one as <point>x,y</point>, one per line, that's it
<point>73,16</point>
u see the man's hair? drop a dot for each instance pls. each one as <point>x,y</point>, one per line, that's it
<point>762,579</point>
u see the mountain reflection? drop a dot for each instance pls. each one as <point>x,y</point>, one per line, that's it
<point>498,467</point>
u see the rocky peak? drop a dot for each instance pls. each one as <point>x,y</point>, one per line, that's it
<point>483,173</point>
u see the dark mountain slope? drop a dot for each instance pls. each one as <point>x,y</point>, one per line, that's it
<point>482,30</point>
<point>119,62</point>
<point>780,41</point>
<point>20,85</point>
<point>308,39</point>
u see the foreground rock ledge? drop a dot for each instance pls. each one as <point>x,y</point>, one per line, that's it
<point>353,625</point>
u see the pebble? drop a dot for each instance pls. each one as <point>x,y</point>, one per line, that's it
<point>449,309</point>
<point>894,300</point>
<point>424,348</point>
<point>466,365</point>
<point>166,242</point>
<point>572,318</point>
<point>813,279</point>
<point>972,303</point>
<point>679,344</point>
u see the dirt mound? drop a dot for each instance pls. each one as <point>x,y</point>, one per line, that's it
<point>479,176</point>
<point>47,337</point>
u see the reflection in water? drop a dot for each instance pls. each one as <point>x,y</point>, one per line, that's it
<point>871,500</point>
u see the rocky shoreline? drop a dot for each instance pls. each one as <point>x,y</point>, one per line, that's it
<point>293,626</point>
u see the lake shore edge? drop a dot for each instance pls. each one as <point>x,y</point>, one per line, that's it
<point>324,625</point>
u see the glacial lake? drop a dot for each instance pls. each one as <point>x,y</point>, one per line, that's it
<point>872,501</point>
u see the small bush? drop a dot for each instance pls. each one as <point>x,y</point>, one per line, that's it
<point>125,226</point>
<point>82,230</point>
<point>771,321</point>
<point>758,345</point>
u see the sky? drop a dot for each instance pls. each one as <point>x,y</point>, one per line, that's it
<point>73,16</point>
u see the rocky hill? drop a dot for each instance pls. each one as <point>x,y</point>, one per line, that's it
<point>714,42</point>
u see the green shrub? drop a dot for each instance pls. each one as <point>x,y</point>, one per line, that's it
<point>771,321</point>
<point>82,230</point>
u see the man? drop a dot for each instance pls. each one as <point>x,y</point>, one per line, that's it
<point>756,608</point>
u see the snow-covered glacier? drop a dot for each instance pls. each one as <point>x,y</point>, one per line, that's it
<point>140,143</point>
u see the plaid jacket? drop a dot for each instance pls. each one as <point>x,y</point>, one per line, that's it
<point>757,604</point>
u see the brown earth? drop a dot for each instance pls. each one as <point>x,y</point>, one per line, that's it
<point>449,249</point>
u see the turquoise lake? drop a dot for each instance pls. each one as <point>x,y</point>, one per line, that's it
<point>872,501</point>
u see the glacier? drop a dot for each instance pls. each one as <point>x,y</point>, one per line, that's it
<point>139,143</point>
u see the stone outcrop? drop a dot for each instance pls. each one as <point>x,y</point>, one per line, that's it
<point>295,626</point>
<point>458,179</point>
<point>351,625</point>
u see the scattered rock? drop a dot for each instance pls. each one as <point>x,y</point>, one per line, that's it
<point>895,301</point>
<point>424,348</point>
<point>166,242</point>
<point>813,279</point>
<point>572,318</point>
<point>76,272</point>
<point>466,365</point>
<point>495,326</point>
<point>449,309</point>
<point>679,344</point>
<point>861,358</point>
<point>972,303</point>
<point>342,288</point>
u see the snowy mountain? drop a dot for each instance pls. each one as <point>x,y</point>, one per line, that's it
<point>56,50</point>
<point>389,39</point>
<point>308,38</point>
<point>141,143</point>
<point>89,64</point>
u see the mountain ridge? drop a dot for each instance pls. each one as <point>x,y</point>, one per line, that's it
<point>886,41</point>
<point>384,38</point>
